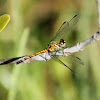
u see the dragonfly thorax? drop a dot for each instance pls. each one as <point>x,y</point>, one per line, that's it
<point>53,46</point>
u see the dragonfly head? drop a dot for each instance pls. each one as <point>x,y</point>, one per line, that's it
<point>62,43</point>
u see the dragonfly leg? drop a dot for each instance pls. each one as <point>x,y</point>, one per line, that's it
<point>43,57</point>
<point>55,55</point>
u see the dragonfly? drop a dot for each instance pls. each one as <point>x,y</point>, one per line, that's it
<point>57,43</point>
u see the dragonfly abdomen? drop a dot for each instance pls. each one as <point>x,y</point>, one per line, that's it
<point>28,57</point>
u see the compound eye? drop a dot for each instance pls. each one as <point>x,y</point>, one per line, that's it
<point>61,42</point>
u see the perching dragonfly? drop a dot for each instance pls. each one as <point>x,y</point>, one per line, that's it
<point>57,43</point>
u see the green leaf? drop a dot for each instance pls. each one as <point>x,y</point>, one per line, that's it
<point>4,19</point>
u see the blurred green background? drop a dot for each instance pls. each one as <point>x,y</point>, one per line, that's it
<point>33,23</point>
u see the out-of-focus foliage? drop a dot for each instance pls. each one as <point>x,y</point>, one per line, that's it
<point>4,19</point>
<point>32,25</point>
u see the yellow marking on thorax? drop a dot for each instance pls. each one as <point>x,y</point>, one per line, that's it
<point>53,46</point>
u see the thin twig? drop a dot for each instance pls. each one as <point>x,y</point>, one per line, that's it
<point>98,11</point>
<point>47,56</point>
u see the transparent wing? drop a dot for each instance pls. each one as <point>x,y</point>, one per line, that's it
<point>71,61</point>
<point>75,59</point>
<point>61,62</point>
<point>65,27</point>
